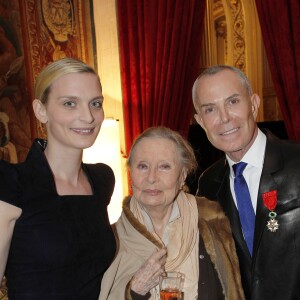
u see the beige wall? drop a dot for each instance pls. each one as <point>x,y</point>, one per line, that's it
<point>109,70</point>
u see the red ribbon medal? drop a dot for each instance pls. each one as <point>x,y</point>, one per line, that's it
<point>270,202</point>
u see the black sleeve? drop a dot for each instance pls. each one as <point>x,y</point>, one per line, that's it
<point>136,296</point>
<point>209,285</point>
<point>103,180</point>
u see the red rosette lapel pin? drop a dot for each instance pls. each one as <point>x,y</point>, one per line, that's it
<point>270,202</point>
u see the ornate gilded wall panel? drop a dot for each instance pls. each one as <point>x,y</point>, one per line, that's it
<point>16,130</point>
<point>53,30</point>
<point>233,36</point>
<point>238,25</point>
<point>34,33</point>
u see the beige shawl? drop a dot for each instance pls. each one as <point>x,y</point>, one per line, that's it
<point>182,243</point>
<point>136,244</point>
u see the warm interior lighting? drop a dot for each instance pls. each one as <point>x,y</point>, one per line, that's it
<point>106,149</point>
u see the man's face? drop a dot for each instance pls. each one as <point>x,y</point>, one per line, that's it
<point>227,113</point>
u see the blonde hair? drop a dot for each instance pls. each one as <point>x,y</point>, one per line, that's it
<point>54,71</point>
<point>184,149</point>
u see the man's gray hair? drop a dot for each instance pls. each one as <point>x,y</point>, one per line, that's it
<point>218,68</point>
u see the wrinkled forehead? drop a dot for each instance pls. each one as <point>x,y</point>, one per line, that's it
<point>156,148</point>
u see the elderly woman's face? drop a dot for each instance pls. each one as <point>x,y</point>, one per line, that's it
<point>156,172</point>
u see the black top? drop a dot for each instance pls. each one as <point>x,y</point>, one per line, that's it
<point>61,245</point>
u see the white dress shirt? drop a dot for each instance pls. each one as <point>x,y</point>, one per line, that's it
<point>252,173</point>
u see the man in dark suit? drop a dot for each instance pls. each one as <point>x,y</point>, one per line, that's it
<point>268,244</point>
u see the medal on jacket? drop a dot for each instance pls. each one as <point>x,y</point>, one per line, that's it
<point>270,202</point>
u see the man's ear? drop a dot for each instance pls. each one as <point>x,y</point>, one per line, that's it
<point>255,102</point>
<point>40,111</point>
<point>198,119</point>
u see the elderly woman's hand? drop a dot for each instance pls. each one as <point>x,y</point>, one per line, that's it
<point>147,276</point>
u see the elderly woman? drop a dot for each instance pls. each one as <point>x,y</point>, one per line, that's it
<point>164,228</point>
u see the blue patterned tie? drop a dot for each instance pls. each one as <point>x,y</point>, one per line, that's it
<point>244,204</point>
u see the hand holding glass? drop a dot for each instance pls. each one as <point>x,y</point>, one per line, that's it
<point>170,285</point>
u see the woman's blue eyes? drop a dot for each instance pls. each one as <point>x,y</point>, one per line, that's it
<point>160,167</point>
<point>96,104</point>
<point>93,104</point>
<point>69,103</point>
<point>165,167</point>
<point>142,166</point>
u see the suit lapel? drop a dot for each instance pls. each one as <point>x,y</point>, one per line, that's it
<point>269,181</point>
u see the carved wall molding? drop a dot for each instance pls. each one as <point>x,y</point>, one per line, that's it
<point>232,36</point>
<point>33,36</point>
<point>56,29</point>
<point>238,26</point>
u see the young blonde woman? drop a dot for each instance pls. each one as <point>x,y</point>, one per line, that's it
<point>55,238</point>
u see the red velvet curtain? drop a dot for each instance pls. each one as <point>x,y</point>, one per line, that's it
<point>160,43</point>
<point>280,25</point>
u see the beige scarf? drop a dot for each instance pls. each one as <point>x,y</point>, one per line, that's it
<point>183,242</point>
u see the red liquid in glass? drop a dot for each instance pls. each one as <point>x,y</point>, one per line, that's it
<point>170,294</point>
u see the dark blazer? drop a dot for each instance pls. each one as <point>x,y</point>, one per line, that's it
<point>274,270</point>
